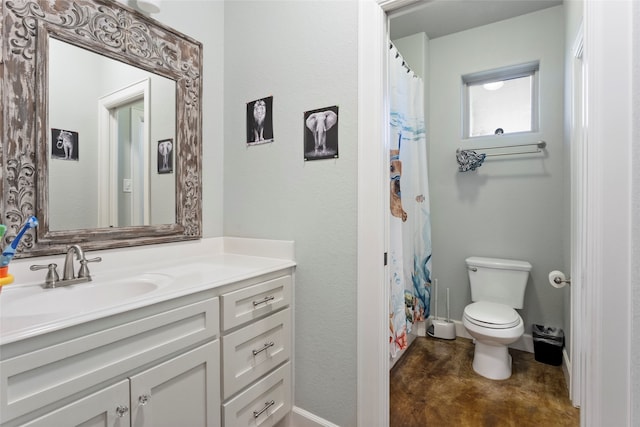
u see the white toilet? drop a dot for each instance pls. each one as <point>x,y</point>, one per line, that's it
<point>497,288</point>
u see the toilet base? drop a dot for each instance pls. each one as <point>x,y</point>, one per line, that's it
<point>491,361</point>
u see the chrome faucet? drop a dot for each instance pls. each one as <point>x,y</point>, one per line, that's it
<point>68,273</point>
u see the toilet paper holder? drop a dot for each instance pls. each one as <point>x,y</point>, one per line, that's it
<point>559,280</point>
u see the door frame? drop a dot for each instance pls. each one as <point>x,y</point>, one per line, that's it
<point>108,149</point>
<point>606,245</point>
<point>578,178</point>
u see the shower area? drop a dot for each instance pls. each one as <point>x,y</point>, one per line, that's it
<point>409,256</point>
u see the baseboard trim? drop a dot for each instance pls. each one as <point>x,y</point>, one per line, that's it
<point>566,367</point>
<point>298,417</point>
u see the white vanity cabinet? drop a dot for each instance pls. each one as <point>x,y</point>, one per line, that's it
<point>256,353</point>
<point>154,366</point>
<point>219,356</point>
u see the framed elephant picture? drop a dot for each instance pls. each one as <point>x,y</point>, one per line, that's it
<point>165,156</point>
<point>321,133</point>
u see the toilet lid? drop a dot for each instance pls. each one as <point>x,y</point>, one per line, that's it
<point>492,315</point>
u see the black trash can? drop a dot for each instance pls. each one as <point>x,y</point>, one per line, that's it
<point>547,344</point>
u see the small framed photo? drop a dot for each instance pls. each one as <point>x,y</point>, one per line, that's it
<point>165,156</point>
<point>64,144</point>
<point>321,133</point>
<point>260,121</point>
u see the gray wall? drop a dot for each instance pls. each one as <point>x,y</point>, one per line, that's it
<point>512,207</point>
<point>415,51</point>
<point>204,21</point>
<point>305,55</point>
<point>73,185</point>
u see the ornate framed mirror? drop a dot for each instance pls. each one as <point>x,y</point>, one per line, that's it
<point>101,127</point>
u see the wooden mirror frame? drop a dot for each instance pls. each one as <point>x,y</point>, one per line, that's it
<point>118,32</point>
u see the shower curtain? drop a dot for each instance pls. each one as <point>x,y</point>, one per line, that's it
<point>410,216</point>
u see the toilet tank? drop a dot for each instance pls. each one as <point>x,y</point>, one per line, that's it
<point>498,280</point>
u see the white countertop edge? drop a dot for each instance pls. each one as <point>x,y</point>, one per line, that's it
<point>262,257</point>
<point>114,260</point>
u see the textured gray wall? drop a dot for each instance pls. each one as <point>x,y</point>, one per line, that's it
<point>305,55</point>
<point>510,207</point>
<point>204,21</point>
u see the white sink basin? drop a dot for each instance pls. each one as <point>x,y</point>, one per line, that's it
<point>79,298</point>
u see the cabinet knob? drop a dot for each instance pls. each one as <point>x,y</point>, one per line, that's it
<point>121,411</point>
<point>144,399</point>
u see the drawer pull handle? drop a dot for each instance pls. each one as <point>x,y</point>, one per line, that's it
<point>266,346</point>
<point>121,411</point>
<point>263,301</point>
<point>267,405</point>
<point>143,399</point>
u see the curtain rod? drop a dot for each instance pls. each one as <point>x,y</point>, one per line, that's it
<point>539,144</point>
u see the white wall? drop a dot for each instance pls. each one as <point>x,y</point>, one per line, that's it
<point>305,55</point>
<point>512,207</point>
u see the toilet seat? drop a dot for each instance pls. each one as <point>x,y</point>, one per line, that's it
<point>492,315</point>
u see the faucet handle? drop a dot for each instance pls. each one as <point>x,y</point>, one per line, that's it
<point>52,274</point>
<point>84,270</point>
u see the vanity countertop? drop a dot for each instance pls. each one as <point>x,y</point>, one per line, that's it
<point>142,277</point>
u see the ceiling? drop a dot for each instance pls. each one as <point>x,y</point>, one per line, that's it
<point>438,18</point>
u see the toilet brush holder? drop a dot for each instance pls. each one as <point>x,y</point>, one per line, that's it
<point>441,328</point>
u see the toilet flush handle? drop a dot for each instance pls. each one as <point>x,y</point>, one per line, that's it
<point>474,269</point>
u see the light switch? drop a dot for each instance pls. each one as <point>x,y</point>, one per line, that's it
<point>126,185</point>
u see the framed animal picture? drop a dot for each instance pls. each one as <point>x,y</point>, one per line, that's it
<point>260,121</point>
<point>64,144</point>
<point>321,133</point>
<point>165,156</point>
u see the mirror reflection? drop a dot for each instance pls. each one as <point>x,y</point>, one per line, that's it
<point>111,142</point>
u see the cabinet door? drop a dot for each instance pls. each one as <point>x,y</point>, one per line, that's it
<point>108,407</point>
<point>183,391</point>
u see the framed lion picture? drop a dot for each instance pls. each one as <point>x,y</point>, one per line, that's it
<point>260,121</point>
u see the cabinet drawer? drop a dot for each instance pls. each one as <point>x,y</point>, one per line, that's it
<point>254,350</point>
<point>266,402</point>
<point>250,303</point>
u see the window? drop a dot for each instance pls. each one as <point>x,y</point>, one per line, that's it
<point>501,101</point>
